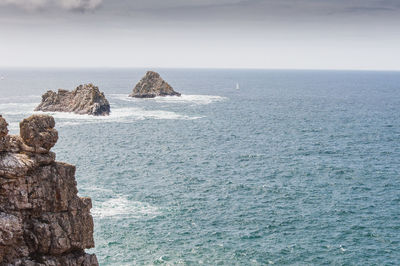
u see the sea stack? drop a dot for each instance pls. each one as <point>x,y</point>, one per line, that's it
<point>42,219</point>
<point>85,99</point>
<point>152,85</point>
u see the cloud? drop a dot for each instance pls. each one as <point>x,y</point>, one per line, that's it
<point>81,5</point>
<point>168,4</point>
<point>26,4</point>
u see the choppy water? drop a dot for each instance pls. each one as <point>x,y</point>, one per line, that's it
<point>296,167</point>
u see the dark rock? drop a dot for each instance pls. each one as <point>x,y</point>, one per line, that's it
<point>3,127</point>
<point>42,219</point>
<point>85,99</point>
<point>3,134</point>
<point>152,85</point>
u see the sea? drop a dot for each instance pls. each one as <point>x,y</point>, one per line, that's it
<point>293,167</point>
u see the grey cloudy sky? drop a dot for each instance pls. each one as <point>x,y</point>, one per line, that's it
<point>316,34</point>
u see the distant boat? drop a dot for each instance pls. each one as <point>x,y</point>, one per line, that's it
<point>237,86</point>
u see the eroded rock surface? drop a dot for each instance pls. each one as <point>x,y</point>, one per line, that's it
<point>42,220</point>
<point>85,99</point>
<point>3,127</point>
<point>152,85</point>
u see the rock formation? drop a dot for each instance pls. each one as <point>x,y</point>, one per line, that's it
<point>85,99</point>
<point>42,220</point>
<point>152,85</point>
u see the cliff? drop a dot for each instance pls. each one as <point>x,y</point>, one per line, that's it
<point>152,85</point>
<point>42,220</point>
<point>85,99</point>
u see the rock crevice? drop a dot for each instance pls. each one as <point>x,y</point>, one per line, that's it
<point>42,219</point>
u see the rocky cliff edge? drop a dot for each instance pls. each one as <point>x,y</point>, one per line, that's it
<point>42,220</point>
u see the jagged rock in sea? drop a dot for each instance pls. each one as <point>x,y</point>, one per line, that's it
<point>152,85</point>
<point>85,99</point>
<point>42,219</point>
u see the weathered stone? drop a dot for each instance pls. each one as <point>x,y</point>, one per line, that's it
<point>85,99</point>
<point>3,127</point>
<point>42,219</point>
<point>11,237</point>
<point>71,259</point>
<point>13,165</point>
<point>3,134</point>
<point>152,85</point>
<point>38,131</point>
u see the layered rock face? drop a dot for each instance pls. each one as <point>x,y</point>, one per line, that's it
<point>42,220</point>
<point>85,99</point>
<point>152,85</point>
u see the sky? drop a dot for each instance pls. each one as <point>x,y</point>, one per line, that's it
<point>267,34</point>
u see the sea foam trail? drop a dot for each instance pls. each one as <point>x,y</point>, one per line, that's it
<point>120,206</point>
<point>123,115</point>
<point>17,108</point>
<point>189,99</point>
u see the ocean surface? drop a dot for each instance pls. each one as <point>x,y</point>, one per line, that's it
<point>295,167</point>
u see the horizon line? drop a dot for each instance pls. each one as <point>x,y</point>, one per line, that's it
<point>196,68</point>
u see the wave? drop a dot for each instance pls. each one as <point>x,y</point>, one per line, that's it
<point>122,115</point>
<point>191,99</point>
<point>17,108</point>
<point>121,207</point>
<point>140,114</point>
<point>64,119</point>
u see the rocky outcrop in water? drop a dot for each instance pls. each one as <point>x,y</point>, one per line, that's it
<point>152,85</point>
<point>85,99</point>
<point>42,220</point>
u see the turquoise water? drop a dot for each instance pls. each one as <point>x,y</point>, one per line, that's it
<point>296,167</point>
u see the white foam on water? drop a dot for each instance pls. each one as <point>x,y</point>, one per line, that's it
<point>13,127</point>
<point>117,115</point>
<point>21,112</point>
<point>120,206</point>
<point>68,124</point>
<point>73,116</point>
<point>98,189</point>
<point>194,99</point>
<point>123,115</point>
<point>17,108</point>
<point>191,99</point>
<point>140,114</point>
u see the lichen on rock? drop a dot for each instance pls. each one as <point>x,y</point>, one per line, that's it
<point>42,219</point>
<point>152,85</point>
<point>85,99</point>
